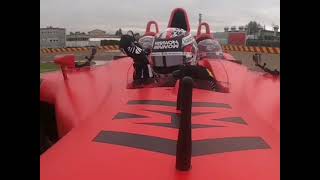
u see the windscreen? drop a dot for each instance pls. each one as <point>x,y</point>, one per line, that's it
<point>169,80</point>
<point>210,48</point>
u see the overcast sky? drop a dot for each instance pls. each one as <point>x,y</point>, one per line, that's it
<point>109,15</point>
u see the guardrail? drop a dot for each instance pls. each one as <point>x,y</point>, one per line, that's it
<point>110,48</point>
<point>256,49</point>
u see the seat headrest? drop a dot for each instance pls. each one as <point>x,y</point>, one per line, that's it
<point>148,29</point>
<point>179,19</point>
<point>202,37</point>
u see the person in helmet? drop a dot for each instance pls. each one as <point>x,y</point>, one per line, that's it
<point>171,48</point>
<point>174,52</point>
<point>133,49</point>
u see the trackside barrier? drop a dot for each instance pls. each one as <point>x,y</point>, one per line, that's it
<point>110,48</point>
<point>255,49</point>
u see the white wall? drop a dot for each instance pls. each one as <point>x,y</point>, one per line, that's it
<point>94,43</point>
<point>77,43</point>
<point>100,39</point>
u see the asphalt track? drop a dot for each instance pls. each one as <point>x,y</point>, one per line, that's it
<point>272,60</point>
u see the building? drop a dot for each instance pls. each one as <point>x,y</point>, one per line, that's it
<point>77,39</point>
<point>232,36</point>
<point>240,36</point>
<point>97,33</point>
<point>237,38</point>
<point>103,41</point>
<point>51,37</point>
<point>270,35</point>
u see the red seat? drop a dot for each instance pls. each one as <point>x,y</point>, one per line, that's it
<point>203,36</point>
<point>148,31</point>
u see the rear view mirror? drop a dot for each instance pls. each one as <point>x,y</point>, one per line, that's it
<point>65,62</point>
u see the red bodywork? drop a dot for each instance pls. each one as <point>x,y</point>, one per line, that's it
<point>97,116</point>
<point>65,62</point>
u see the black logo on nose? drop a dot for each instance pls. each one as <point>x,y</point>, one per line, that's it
<point>168,146</point>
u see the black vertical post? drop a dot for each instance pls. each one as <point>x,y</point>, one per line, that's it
<point>184,143</point>
<point>64,73</point>
<point>179,95</point>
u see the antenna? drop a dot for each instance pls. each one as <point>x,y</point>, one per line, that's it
<point>184,142</point>
<point>200,18</point>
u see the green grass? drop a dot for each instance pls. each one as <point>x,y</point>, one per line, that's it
<point>47,67</point>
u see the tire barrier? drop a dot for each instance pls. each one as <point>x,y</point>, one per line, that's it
<point>255,49</point>
<point>110,48</point>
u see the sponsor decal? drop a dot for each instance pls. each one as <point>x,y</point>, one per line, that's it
<point>187,40</point>
<point>178,32</point>
<point>171,44</point>
<point>200,147</point>
<point>177,53</point>
<point>168,146</point>
<point>138,50</point>
<point>134,49</point>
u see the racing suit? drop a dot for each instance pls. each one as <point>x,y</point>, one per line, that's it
<point>134,50</point>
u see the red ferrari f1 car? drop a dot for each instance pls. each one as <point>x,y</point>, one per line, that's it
<point>95,124</point>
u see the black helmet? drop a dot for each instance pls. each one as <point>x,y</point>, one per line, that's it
<point>125,41</point>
